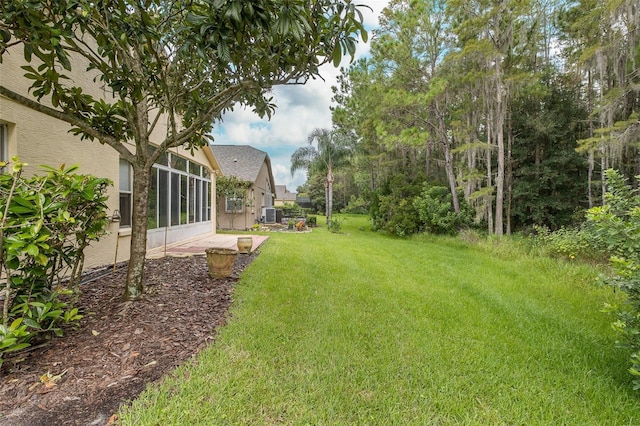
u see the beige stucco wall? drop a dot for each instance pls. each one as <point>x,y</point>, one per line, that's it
<point>39,139</point>
<point>256,196</point>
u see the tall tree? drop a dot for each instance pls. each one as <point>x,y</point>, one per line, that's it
<point>492,30</point>
<point>326,151</point>
<point>602,39</point>
<point>183,62</point>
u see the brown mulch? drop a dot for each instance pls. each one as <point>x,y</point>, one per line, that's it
<point>119,346</point>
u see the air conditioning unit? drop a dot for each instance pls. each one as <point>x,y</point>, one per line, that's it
<point>269,215</point>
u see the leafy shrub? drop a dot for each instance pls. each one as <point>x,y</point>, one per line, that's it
<point>392,208</point>
<point>357,206</point>
<point>335,225</point>
<point>46,224</point>
<point>616,226</point>
<point>434,206</point>
<point>566,243</point>
<point>312,221</point>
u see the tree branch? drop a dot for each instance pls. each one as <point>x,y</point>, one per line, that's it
<point>71,119</point>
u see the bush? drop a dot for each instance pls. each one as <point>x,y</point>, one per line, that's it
<point>566,243</point>
<point>46,223</point>
<point>312,221</point>
<point>357,206</point>
<point>616,226</point>
<point>335,225</point>
<point>434,206</point>
<point>392,208</point>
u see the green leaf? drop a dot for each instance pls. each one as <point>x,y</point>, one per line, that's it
<point>15,324</point>
<point>337,55</point>
<point>30,322</point>
<point>42,259</point>
<point>33,250</point>
<point>17,347</point>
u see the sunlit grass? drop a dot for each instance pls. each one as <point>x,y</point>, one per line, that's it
<point>359,328</point>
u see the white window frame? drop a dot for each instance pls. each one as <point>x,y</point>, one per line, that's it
<point>237,200</point>
<point>126,189</point>
<point>4,142</point>
<point>202,178</point>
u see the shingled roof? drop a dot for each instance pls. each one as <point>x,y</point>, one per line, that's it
<point>242,161</point>
<point>283,194</point>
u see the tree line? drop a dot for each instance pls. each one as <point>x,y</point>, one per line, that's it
<point>517,107</point>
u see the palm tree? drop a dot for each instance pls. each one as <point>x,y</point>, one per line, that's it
<point>330,151</point>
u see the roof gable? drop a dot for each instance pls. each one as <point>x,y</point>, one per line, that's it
<point>241,161</point>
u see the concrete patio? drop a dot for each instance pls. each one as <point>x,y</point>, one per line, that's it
<point>199,244</point>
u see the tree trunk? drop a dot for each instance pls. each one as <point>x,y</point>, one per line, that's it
<point>499,228</point>
<point>326,200</point>
<point>489,175</point>
<point>448,160</point>
<point>603,168</point>
<point>427,158</point>
<point>591,133</point>
<point>509,172</point>
<point>140,210</point>
<point>329,196</point>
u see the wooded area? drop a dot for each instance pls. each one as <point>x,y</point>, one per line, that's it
<point>519,106</point>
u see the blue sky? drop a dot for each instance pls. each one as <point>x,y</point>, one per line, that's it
<point>300,109</point>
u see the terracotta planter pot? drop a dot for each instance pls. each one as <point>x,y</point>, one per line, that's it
<point>245,244</point>
<point>220,261</point>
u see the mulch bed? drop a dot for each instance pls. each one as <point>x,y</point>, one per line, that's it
<point>119,346</point>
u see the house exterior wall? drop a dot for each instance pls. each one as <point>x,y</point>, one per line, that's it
<point>259,195</point>
<point>284,202</point>
<point>38,139</point>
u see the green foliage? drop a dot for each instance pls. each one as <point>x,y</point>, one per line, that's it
<point>392,208</point>
<point>335,226</point>
<point>357,205</point>
<point>326,152</point>
<point>312,221</point>
<point>47,222</point>
<point>566,243</point>
<point>616,226</point>
<point>549,182</point>
<point>231,186</point>
<point>435,209</point>
<point>166,62</point>
<point>314,188</point>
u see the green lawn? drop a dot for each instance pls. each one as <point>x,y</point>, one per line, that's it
<point>359,328</point>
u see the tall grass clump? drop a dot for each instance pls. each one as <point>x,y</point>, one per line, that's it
<point>567,243</point>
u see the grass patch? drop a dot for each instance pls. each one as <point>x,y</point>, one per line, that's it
<point>358,328</point>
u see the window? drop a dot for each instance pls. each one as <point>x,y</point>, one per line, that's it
<point>180,192</point>
<point>125,193</point>
<point>175,199</point>
<point>4,142</point>
<point>233,204</point>
<point>192,200</point>
<point>183,199</point>
<point>163,199</point>
<point>152,218</point>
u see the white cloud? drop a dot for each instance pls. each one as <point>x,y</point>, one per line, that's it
<point>300,110</point>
